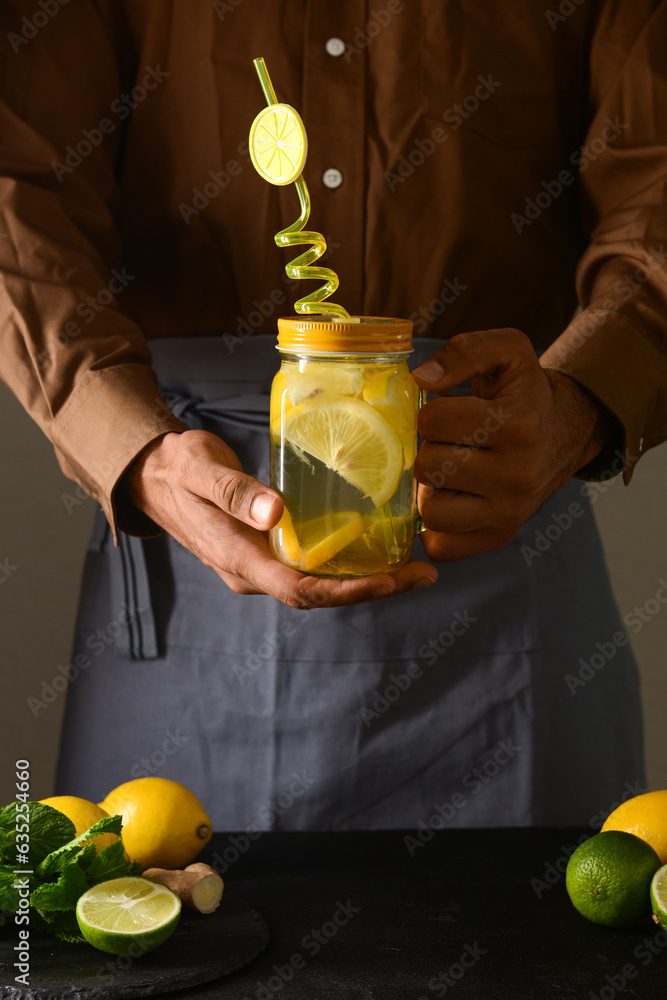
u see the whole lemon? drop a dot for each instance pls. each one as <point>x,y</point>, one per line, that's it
<point>645,816</point>
<point>83,814</point>
<point>164,824</point>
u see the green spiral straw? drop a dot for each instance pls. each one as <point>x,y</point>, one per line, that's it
<point>278,147</point>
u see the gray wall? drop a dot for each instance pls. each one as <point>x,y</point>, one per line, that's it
<point>44,527</point>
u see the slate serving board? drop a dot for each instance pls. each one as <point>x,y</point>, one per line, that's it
<point>203,948</point>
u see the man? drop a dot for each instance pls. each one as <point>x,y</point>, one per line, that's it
<point>462,168</point>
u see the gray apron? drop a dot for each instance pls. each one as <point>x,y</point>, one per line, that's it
<point>479,701</point>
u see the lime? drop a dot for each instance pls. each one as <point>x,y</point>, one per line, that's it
<point>645,816</point>
<point>349,437</point>
<point>278,144</point>
<point>608,878</point>
<point>128,915</point>
<point>659,897</point>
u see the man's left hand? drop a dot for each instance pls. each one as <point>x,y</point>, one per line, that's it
<point>490,460</point>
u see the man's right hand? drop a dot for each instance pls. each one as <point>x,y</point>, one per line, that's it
<point>193,486</point>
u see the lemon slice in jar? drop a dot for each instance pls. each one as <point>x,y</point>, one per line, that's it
<point>278,144</point>
<point>351,438</point>
<point>395,396</point>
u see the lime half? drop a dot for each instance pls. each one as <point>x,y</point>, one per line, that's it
<point>128,915</point>
<point>659,897</point>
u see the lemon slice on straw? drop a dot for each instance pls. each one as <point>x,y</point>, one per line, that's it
<point>278,144</point>
<point>127,913</point>
<point>351,438</point>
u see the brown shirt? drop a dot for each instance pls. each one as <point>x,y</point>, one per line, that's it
<point>472,164</point>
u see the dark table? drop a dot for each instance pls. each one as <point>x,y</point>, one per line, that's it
<point>466,914</point>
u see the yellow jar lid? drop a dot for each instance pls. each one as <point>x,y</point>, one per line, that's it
<point>356,334</point>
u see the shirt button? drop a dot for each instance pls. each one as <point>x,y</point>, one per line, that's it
<point>335,46</point>
<point>332,178</point>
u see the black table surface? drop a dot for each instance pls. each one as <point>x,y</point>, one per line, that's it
<point>381,915</point>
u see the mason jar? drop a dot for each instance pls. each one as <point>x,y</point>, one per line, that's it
<point>343,444</point>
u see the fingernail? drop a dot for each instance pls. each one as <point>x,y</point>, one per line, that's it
<point>430,372</point>
<point>426,581</point>
<point>261,507</point>
<point>384,591</point>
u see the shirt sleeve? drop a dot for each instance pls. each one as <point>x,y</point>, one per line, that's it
<point>79,366</point>
<point>617,346</point>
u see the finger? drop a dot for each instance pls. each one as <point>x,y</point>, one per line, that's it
<point>256,571</point>
<point>210,471</point>
<point>455,467</point>
<point>456,513</point>
<point>352,591</point>
<point>495,356</point>
<point>445,547</point>
<point>467,420</point>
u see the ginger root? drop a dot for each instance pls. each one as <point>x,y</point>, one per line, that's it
<point>198,886</point>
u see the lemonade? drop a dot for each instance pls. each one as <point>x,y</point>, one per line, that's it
<point>343,445</point>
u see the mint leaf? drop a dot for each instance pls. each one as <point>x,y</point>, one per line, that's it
<point>56,860</point>
<point>63,894</point>
<point>109,863</point>
<point>9,896</point>
<point>86,855</point>
<point>46,829</point>
<point>63,924</point>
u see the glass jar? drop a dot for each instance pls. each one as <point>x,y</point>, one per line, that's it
<point>343,443</point>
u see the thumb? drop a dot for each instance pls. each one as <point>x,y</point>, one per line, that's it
<point>216,476</point>
<point>492,354</point>
<point>246,499</point>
